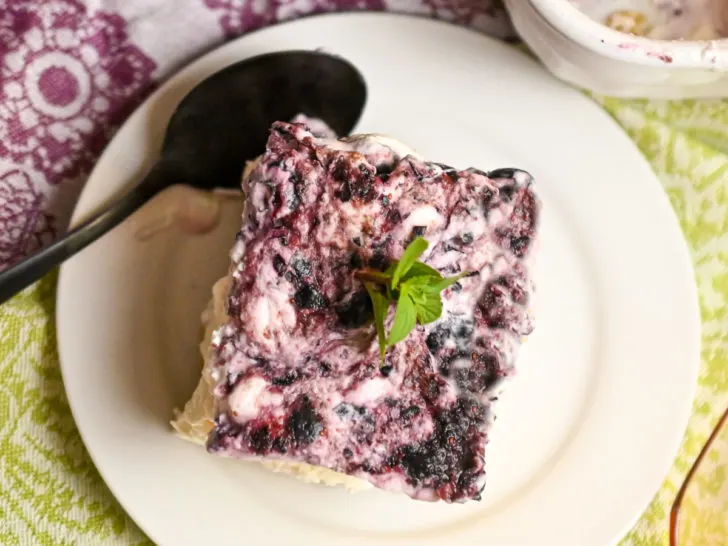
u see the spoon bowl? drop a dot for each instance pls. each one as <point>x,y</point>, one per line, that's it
<point>220,124</point>
<point>224,121</point>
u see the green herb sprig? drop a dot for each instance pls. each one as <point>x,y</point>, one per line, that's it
<point>414,287</point>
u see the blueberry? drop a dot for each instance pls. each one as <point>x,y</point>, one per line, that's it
<point>481,376</point>
<point>355,261</point>
<point>307,297</point>
<point>378,261</point>
<point>345,411</point>
<point>463,330</point>
<point>348,453</point>
<point>357,183</point>
<point>279,264</point>
<point>384,170</point>
<point>501,173</point>
<point>289,379</point>
<point>419,231</point>
<point>519,245</point>
<point>410,412</point>
<point>394,217</point>
<point>260,441</point>
<point>302,267</point>
<point>425,461</point>
<point>304,424</point>
<point>280,445</point>
<point>495,306</point>
<point>437,338</point>
<point>385,370</point>
<point>355,312</point>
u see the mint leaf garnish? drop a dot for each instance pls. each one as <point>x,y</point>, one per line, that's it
<point>430,309</point>
<point>405,318</point>
<point>379,304</point>
<point>413,251</point>
<point>419,269</point>
<point>440,285</point>
<point>413,286</point>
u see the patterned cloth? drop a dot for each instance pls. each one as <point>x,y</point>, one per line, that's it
<point>71,71</point>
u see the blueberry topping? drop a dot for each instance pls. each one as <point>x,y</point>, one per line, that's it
<point>355,312</point>
<point>289,379</point>
<point>463,330</point>
<point>437,338</point>
<point>495,306</point>
<point>348,411</point>
<point>260,440</point>
<point>519,245</point>
<point>384,170</point>
<point>302,267</point>
<point>430,431</point>
<point>410,412</point>
<point>304,424</point>
<point>394,217</point>
<point>488,198</point>
<point>501,173</point>
<point>481,376</point>
<point>355,262</point>
<point>280,444</point>
<point>307,297</point>
<point>278,264</point>
<point>357,183</point>
<point>378,261</point>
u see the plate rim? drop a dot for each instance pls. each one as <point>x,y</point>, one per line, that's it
<point>81,208</point>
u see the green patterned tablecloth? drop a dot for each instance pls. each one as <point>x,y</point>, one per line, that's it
<point>50,493</point>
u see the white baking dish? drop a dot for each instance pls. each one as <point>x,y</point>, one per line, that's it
<point>588,54</point>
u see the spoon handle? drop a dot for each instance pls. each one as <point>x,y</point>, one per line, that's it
<point>22,275</point>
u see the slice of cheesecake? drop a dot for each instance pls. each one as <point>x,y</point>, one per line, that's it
<point>293,375</point>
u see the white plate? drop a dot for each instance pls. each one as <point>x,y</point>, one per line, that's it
<point>587,429</point>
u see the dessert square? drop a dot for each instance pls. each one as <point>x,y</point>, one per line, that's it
<point>294,367</point>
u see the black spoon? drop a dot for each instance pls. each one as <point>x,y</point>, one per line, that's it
<point>220,124</point>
